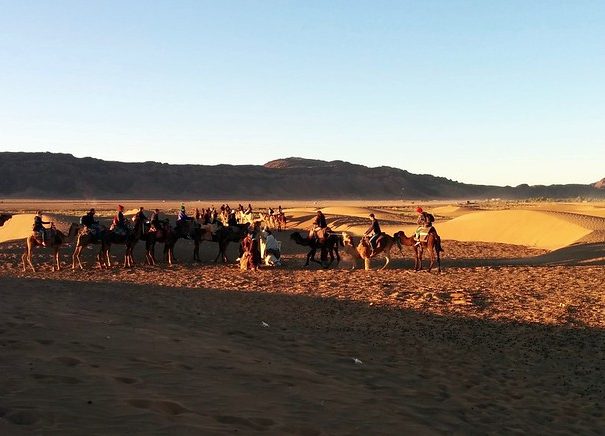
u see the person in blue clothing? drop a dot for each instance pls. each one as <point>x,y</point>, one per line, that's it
<point>39,227</point>
<point>181,220</point>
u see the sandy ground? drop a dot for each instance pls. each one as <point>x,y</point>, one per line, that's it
<point>508,338</point>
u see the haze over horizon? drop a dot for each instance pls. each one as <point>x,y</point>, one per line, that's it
<point>496,94</point>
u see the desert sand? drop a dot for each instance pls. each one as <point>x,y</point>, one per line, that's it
<point>507,339</point>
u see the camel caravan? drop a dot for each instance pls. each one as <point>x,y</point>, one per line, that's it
<point>252,232</point>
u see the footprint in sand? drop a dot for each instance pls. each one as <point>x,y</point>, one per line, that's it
<point>47,378</point>
<point>22,417</point>
<point>161,406</point>
<point>127,380</point>
<point>45,341</point>
<point>68,361</point>
<point>255,423</point>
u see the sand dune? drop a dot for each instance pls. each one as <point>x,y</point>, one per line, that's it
<point>20,226</point>
<point>522,227</point>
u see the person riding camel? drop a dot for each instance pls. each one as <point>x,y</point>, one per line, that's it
<point>39,228</point>
<point>119,222</point>
<point>140,215</point>
<point>90,224</point>
<point>181,221</point>
<point>232,219</point>
<point>425,224</point>
<point>248,210</point>
<point>155,221</point>
<point>319,226</point>
<point>373,232</point>
<point>270,211</point>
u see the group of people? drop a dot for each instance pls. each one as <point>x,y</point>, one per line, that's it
<point>425,225</point>
<point>210,215</point>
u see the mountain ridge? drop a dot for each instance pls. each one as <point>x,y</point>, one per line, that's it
<point>60,175</point>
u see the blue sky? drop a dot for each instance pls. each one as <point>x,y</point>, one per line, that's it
<point>488,92</point>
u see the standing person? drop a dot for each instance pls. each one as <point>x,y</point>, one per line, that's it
<point>39,227</point>
<point>249,257</point>
<point>374,232</point>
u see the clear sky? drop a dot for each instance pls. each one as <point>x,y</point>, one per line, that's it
<point>495,92</point>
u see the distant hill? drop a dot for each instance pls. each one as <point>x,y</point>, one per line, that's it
<point>54,175</point>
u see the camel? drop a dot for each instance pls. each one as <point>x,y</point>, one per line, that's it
<point>129,240</point>
<point>193,230</point>
<point>226,234</point>
<point>55,240</point>
<point>281,221</point>
<point>384,244</point>
<point>165,236</point>
<point>432,244</point>
<point>269,221</point>
<point>4,217</point>
<point>328,246</point>
<point>84,239</point>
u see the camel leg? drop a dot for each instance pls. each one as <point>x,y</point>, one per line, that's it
<point>56,255</point>
<point>196,251</point>
<point>387,259</point>
<point>23,257</point>
<point>366,261</point>
<point>29,260</point>
<point>76,256</point>
<point>28,255</point>
<point>438,261</point>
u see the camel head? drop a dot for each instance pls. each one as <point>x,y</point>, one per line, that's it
<point>347,242</point>
<point>4,217</point>
<point>364,249</point>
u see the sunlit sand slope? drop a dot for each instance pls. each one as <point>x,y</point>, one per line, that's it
<point>550,230</point>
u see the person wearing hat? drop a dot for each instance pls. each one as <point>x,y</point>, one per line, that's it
<point>39,227</point>
<point>374,232</point>
<point>425,223</point>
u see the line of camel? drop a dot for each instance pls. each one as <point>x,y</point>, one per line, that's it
<point>223,235</point>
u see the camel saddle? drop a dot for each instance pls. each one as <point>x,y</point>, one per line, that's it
<point>49,236</point>
<point>322,234</point>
